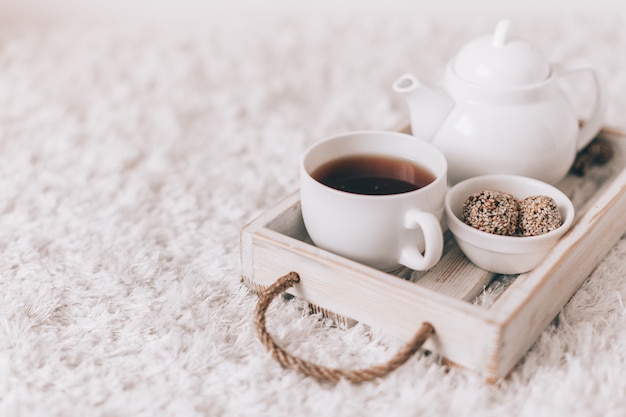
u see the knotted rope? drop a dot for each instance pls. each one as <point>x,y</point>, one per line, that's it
<point>324,373</point>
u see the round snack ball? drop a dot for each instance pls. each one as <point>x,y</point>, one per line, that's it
<point>538,215</point>
<point>492,212</point>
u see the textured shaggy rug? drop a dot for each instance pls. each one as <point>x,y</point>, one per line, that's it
<point>132,153</point>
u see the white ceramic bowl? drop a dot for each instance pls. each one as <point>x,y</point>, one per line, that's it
<point>504,254</point>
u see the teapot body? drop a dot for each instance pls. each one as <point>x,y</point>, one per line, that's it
<point>500,110</point>
<point>530,131</point>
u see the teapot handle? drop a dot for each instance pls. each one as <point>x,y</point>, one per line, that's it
<point>592,126</point>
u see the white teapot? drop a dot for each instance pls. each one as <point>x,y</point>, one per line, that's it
<point>499,110</point>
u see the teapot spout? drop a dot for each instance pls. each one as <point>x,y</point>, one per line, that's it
<point>428,107</point>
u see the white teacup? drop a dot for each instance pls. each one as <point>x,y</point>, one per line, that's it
<point>382,230</point>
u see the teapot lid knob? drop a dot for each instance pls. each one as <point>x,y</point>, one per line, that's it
<point>499,35</point>
<point>498,61</point>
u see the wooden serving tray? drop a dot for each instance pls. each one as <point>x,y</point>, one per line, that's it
<point>483,321</point>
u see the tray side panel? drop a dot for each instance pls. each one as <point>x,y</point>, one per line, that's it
<point>274,214</point>
<point>464,333</point>
<point>535,298</point>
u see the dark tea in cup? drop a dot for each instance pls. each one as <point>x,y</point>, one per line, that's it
<point>373,175</point>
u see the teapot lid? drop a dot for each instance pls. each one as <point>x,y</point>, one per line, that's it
<point>494,60</point>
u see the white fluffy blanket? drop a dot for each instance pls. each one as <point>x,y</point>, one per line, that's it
<point>131,154</point>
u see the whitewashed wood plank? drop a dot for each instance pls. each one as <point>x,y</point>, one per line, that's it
<point>533,300</point>
<point>378,299</point>
<point>455,276</point>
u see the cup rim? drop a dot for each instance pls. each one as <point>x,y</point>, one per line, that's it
<point>442,177</point>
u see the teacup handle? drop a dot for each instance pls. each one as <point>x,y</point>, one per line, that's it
<point>591,127</point>
<point>433,241</point>
<point>319,372</point>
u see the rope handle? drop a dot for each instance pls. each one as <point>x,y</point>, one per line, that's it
<point>323,373</point>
